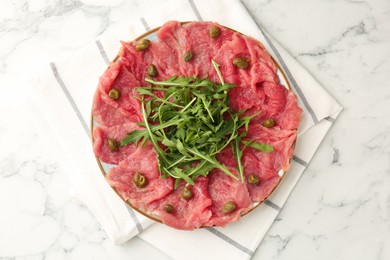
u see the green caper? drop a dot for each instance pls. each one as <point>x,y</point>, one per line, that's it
<point>228,207</point>
<point>114,94</point>
<point>142,45</point>
<point>186,193</point>
<point>253,179</point>
<point>241,62</point>
<point>214,32</point>
<point>269,122</point>
<point>168,208</point>
<point>188,56</point>
<point>152,71</point>
<point>112,144</point>
<point>139,180</point>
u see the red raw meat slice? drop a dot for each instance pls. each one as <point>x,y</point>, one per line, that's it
<point>108,77</point>
<point>260,73</point>
<point>260,62</point>
<point>275,98</point>
<point>261,69</point>
<point>144,161</point>
<point>107,115</point>
<point>227,158</point>
<point>173,34</point>
<point>270,101</point>
<point>225,56</point>
<point>252,165</point>
<point>205,47</point>
<point>164,58</point>
<point>281,140</point>
<point>126,83</point>
<point>261,191</point>
<point>258,52</point>
<point>264,169</point>
<point>267,165</point>
<point>187,214</point>
<point>134,61</point>
<point>222,189</point>
<point>242,99</point>
<point>176,37</point>
<point>290,117</point>
<point>161,55</point>
<point>118,132</point>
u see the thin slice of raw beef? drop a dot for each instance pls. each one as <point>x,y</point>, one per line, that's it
<point>187,214</point>
<point>282,142</point>
<point>266,166</point>
<point>109,75</point>
<point>223,189</point>
<point>143,161</point>
<point>290,117</point>
<point>101,148</point>
<point>126,83</point>
<point>257,50</point>
<point>204,47</point>
<point>161,55</point>
<point>176,37</point>
<point>108,115</point>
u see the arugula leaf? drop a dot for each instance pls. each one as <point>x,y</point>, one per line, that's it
<point>212,161</point>
<point>168,143</point>
<point>180,147</point>
<point>266,148</point>
<point>133,136</point>
<point>201,169</point>
<point>180,174</point>
<point>246,119</point>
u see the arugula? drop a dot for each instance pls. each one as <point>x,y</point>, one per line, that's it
<point>265,148</point>
<point>188,121</point>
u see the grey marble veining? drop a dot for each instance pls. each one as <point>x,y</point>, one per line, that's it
<point>340,208</point>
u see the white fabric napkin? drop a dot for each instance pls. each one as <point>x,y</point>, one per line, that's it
<point>64,95</point>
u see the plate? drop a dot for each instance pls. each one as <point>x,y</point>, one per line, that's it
<point>105,167</point>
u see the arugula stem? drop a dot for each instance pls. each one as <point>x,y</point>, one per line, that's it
<point>160,120</point>
<point>238,158</point>
<point>176,84</point>
<point>171,122</point>
<point>188,105</point>
<point>151,136</point>
<point>216,67</point>
<point>165,101</point>
<point>199,166</point>
<point>177,162</point>
<point>162,83</point>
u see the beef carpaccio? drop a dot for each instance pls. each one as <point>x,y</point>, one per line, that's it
<point>216,199</point>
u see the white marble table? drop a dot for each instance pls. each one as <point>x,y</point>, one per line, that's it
<point>340,208</point>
